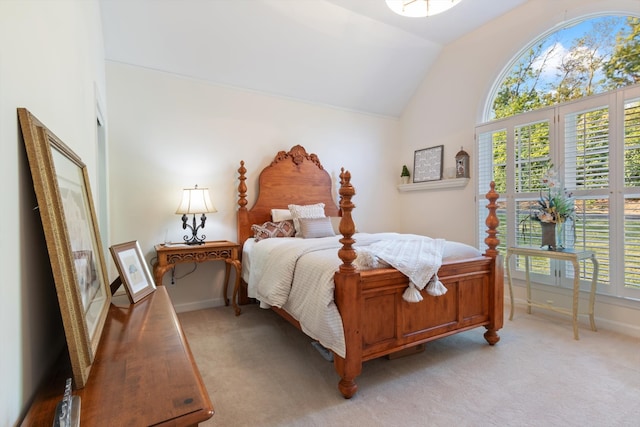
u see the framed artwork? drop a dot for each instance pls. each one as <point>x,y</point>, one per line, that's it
<point>61,184</point>
<point>427,164</point>
<point>133,270</point>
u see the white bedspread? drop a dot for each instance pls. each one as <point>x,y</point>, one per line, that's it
<point>297,275</point>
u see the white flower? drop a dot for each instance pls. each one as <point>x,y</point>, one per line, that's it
<point>546,217</point>
<point>550,178</point>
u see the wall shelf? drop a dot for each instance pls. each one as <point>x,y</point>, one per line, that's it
<point>434,185</point>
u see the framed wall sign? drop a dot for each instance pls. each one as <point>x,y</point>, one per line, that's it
<point>427,164</point>
<point>61,184</point>
<point>133,270</point>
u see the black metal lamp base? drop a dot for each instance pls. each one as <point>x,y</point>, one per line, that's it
<point>193,239</point>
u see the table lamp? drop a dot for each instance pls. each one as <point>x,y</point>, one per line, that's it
<point>195,201</point>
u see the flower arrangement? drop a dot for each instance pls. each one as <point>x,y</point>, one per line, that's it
<point>555,205</point>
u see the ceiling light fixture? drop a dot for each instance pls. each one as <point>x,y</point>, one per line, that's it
<point>420,8</point>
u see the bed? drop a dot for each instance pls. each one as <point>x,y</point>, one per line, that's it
<point>376,319</point>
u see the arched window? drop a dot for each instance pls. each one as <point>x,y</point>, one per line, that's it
<point>584,58</point>
<point>569,107</point>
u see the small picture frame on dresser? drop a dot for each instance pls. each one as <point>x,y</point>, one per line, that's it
<point>133,270</point>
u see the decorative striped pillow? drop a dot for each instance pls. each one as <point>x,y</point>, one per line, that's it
<point>305,211</point>
<point>315,227</point>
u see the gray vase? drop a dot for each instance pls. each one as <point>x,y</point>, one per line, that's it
<point>548,235</point>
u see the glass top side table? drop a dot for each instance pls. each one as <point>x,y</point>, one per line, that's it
<point>570,255</point>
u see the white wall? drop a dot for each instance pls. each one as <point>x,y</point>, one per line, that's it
<point>451,101</point>
<point>51,62</point>
<point>169,132</point>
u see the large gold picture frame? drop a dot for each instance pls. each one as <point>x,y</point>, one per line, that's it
<point>68,217</point>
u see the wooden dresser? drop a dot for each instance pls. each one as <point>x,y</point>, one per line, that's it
<point>143,374</point>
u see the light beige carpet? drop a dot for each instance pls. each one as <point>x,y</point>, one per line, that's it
<point>261,371</point>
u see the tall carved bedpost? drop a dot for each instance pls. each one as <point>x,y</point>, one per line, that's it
<point>492,222</point>
<point>347,228</point>
<point>242,218</point>
<point>497,279</point>
<point>242,202</point>
<point>348,295</point>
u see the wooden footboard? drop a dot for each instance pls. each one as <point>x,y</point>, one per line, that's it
<point>378,321</point>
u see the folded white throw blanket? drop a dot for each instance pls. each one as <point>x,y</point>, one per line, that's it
<point>418,259</point>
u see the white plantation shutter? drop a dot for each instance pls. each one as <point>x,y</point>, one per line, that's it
<point>632,142</point>
<point>594,144</point>
<point>515,154</point>
<point>533,141</point>
<point>631,191</point>
<point>532,157</point>
<point>586,140</point>
<point>491,167</point>
<point>631,245</point>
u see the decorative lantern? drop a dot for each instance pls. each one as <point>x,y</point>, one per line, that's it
<point>462,164</point>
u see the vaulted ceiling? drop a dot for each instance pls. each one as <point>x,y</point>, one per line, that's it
<point>352,54</point>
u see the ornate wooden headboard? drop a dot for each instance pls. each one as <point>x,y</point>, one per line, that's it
<point>293,177</point>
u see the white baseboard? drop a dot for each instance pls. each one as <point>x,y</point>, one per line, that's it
<point>622,328</point>
<point>601,322</point>
<point>199,305</point>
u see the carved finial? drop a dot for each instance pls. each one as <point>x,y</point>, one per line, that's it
<point>341,183</point>
<point>242,187</point>
<point>347,228</point>
<point>492,222</point>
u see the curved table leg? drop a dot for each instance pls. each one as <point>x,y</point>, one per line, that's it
<point>592,294</point>
<point>227,270</point>
<point>576,292</point>
<point>510,285</point>
<point>234,298</point>
<point>158,272</point>
<point>528,279</point>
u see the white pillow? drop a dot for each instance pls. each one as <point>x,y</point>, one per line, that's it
<point>279,215</point>
<point>455,251</point>
<point>335,223</point>
<point>305,211</point>
<point>315,227</point>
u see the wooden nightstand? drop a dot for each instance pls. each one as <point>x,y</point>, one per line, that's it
<point>168,255</point>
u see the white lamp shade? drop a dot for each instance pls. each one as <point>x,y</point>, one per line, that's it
<point>420,8</point>
<point>195,201</point>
